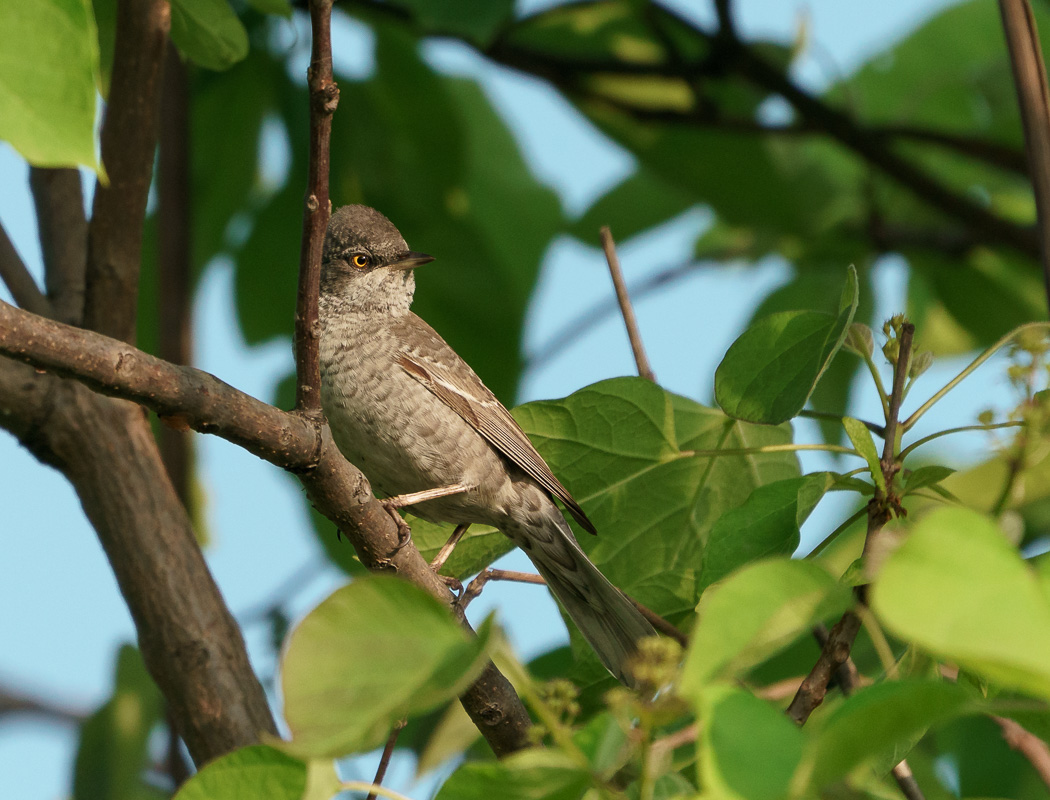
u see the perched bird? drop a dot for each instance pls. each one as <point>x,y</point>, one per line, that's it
<point>410,413</point>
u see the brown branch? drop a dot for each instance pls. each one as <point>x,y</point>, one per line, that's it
<point>15,275</point>
<point>835,652</point>
<point>624,299</point>
<point>384,760</point>
<point>1026,60</point>
<point>59,201</point>
<point>1027,744</point>
<point>324,97</point>
<point>173,235</point>
<point>129,138</point>
<point>304,447</point>
<point>13,703</point>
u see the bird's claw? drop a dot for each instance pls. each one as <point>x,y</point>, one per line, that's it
<point>404,533</point>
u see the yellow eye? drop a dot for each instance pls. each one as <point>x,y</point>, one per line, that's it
<point>361,261</point>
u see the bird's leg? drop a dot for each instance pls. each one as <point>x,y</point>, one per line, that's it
<point>391,504</point>
<point>448,547</point>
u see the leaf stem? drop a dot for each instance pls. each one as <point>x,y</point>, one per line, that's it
<point>960,429</point>
<point>364,786</point>
<point>878,430</point>
<point>883,397</point>
<point>769,448</point>
<point>910,421</point>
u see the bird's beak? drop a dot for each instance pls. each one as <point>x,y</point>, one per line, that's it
<point>411,260</point>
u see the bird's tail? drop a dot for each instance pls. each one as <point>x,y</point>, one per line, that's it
<point>608,620</point>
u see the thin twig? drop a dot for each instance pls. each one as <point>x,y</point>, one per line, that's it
<point>624,299</point>
<point>475,586</point>
<point>448,547</point>
<point>900,375</point>
<point>1026,60</point>
<point>384,761</point>
<point>1027,744</point>
<point>661,624</point>
<point>324,97</point>
<point>12,703</point>
<point>58,197</point>
<point>833,655</point>
<point>16,277</point>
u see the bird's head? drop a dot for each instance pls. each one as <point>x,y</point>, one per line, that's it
<point>366,263</point>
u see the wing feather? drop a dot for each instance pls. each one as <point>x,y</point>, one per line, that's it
<point>462,391</point>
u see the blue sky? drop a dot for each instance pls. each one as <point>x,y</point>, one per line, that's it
<point>64,616</point>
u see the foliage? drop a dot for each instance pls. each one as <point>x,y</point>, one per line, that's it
<point>699,508</point>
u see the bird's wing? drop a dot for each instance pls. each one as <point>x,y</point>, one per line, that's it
<point>429,359</point>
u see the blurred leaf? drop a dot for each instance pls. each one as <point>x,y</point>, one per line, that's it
<point>769,372</point>
<point>959,589</point>
<point>528,775</point>
<point>877,719</point>
<point>986,765</point>
<point>112,755</point>
<point>208,33</point>
<point>860,436</point>
<point>282,8</point>
<point>756,612</point>
<point>634,205</point>
<point>106,23</point>
<point>604,29</point>
<point>259,772</point>
<point>49,67</point>
<point>767,524</point>
<point>372,653</point>
<point>748,750</point>
<point>623,448</point>
<point>449,738</point>
<point>478,21</point>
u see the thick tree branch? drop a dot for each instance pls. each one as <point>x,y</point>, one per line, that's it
<point>324,97</point>
<point>1026,59</point>
<point>173,233</point>
<point>15,275</point>
<point>129,138</point>
<point>59,200</point>
<point>303,446</point>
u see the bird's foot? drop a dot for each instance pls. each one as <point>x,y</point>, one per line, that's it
<point>452,583</point>
<point>410,499</point>
<point>404,533</point>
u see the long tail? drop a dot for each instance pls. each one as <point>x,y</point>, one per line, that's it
<point>606,618</point>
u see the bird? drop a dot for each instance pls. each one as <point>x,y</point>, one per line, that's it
<point>412,416</point>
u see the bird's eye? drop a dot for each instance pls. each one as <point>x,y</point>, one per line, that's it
<point>361,261</point>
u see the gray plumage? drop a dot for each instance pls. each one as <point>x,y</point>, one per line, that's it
<point>410,413</point>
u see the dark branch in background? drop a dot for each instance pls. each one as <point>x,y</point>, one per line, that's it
<point>835,652</point>
<point>15,275</point>
<point>1026,60</point>
<point>129,138</point>
<point>59,200</point>
<point>624,299</point>
<point>286,439</point>
<point>173,236</point>
<point>324,97</point>
<point>12,703</point>
<point>173,299</point>
<point>1027,744</point>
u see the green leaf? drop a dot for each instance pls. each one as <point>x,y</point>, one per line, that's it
<point>769,372</point>
<point>106,22</point>
<point>637,204</point>
<point>49,65</point>
<point>624,448</point>
<point>374,652</point>
<point>282,8</point>
<point>477,21</point>
<point>748,750</point>
<point>860,436</point>
<point>113,754</point>
<point>756,612</point>
<point>207,32</point>
<point>479,547</point>
<point>926,476</point>
<point>251,773</point>
<point>528,775</point>
<point>767,524</point>
<point>881,721</point>
<point>960,590</point>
